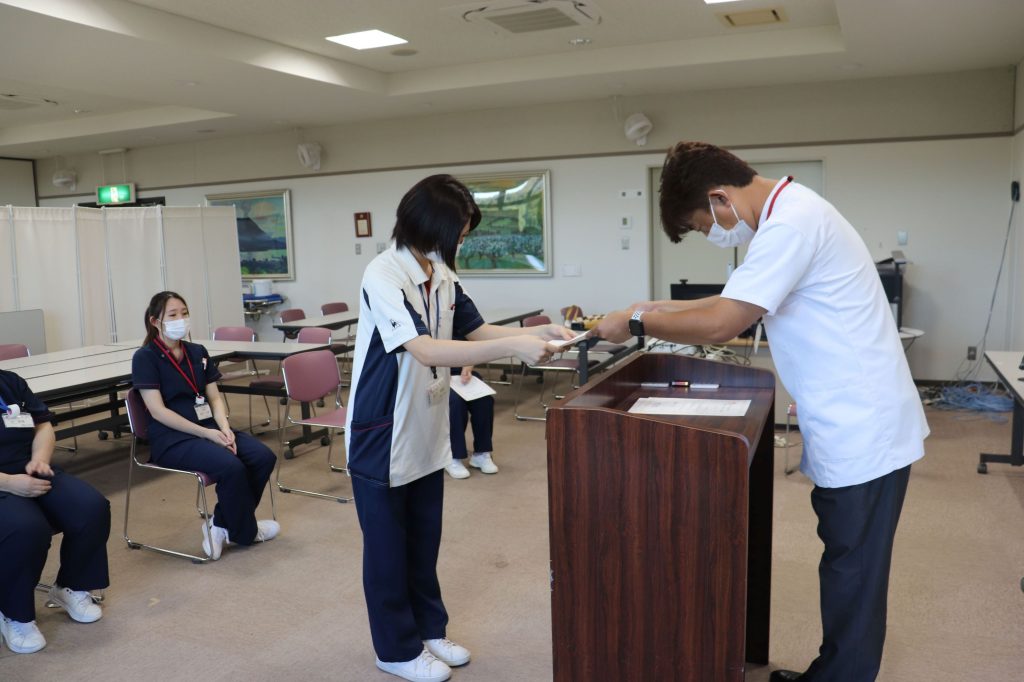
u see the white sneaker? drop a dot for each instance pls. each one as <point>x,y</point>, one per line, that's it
<point>78,604</point>
<point>483,462</point>
<point>423,668</point>
<point>267,530</point>
<point>448,651</point>
<point>21,638</point>
<point>214,539</point>
<point>457,469</point>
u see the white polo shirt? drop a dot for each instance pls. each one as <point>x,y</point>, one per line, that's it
<point>394,434</point>
<point>833,340</point>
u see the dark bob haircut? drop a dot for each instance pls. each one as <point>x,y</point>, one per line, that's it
<point>432,214</point>
<point>691,170</point>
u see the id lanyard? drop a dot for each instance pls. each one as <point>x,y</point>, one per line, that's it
<point>425,295</point>
<point>771,205</point>
<point>193,382</point>
<point>13,410</point>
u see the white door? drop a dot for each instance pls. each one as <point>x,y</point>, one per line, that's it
<point>695,259</point>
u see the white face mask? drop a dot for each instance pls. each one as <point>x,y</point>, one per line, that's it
<point>435,257</point>
<point>176,329</point>
<point>737,235</point>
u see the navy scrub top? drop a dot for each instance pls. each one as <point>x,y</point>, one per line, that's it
<point>151,368</point>
<point>16,444</point>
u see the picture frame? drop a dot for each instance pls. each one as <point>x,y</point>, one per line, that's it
<point>264,223</point>
<point>514,234</point>
<point>364,225</point>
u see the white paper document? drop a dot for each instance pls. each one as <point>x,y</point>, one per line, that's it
<point>691,407</point>
<point>471,391</point>
<point>571,342</point>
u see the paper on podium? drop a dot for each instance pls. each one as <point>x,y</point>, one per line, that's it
<point>691,407</point>
<point>472,390</point>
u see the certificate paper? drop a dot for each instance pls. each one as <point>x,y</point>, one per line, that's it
<point>691,407</point>
<point>471,391</point>
<point>561,344</point>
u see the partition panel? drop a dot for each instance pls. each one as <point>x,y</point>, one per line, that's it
<point>135,262</point>
<point>47,266</point>
<point>8,283</point>
<point>185,261</point>
<point>220,236</point>
<point>94,290</point>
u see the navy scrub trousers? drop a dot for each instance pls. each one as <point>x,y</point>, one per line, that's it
<point>27,525</point>
<point>479,413</point>
<point>857,524</point>
<point>401,539</point>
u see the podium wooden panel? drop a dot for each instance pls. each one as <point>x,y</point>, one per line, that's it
<point>660,527</point>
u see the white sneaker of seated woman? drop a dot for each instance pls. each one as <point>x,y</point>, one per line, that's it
<point>423,668</point>
<point>78,604</point>
<point>483,462</point>
<point>456,469</point>
<point>215,537</point>
<point>448,651</point>
<point>21,638</point>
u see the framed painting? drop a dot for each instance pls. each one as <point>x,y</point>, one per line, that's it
<point>264,226</point>
<point>514,234</point>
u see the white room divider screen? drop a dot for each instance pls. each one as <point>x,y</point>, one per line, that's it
<point>93,271</point>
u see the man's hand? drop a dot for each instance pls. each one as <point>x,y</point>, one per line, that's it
<point>38,469</point>
<point>24,485</point>
<point>552,332</point>
<point>467,374</point>
<point>614,327</point>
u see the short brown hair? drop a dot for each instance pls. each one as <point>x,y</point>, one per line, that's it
<point>690,170</point>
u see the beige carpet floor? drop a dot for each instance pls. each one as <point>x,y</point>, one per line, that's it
<point>292,609</point>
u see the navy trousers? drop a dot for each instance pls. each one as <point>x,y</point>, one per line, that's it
<point>401,538</point>
<point>240,479</point>
<point>27,524</point>
<point>480,413</point>
<point>857,524</point>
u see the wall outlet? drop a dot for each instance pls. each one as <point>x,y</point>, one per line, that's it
<point>381,247</point>
<point>972,352</point>
<point>359,249</point>
<point>626,222</point>
<point>625,243</point>
<point>631,193</point>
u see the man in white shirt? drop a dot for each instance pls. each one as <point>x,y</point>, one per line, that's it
<point>837,350</point>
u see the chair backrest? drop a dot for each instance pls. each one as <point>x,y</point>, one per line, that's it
<point>310,376</point>
<point>536,320</point>
<point>331,308</point>
<point>233,334</point>
<point>571,312</point>
<point>293,314</point>
<point>10,351</point>
<point>138,414</point>
<point>314,335</point>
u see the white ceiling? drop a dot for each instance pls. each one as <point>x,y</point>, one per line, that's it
<point>152,72</point>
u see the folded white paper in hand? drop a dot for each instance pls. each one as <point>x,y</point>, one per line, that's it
<point>472,390</point>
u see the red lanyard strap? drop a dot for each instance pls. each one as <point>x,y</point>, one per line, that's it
<point>193,382</point>
<point>776,196</point>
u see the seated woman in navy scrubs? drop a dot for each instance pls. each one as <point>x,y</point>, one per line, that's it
<point>37,500</point>
<point>189,428</point>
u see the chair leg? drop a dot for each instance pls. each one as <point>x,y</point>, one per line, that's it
<point>519,389</point>
<point>787,470</point>
<point>309,493</point>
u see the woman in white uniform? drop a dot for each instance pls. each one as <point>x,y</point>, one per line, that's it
<point>398,436</point>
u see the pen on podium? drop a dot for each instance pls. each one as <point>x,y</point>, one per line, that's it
<point>664,384</point>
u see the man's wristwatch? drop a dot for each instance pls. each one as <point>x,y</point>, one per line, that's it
<point>636,325</point>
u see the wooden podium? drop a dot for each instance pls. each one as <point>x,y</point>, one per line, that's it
<point>661,527</point>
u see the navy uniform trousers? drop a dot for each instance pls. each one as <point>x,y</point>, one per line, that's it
<point>27,525</point>
<point>401,538</point>
<point>479,413</point>
<point>240,478</point>
<point>857,524</point>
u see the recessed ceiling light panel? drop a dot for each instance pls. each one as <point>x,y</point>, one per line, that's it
<point>367,40</point>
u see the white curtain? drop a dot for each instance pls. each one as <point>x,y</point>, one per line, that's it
<point>186,267</point>
<point>224,273</point>
<point>94,289</point>
<point>135,264</point>
<point>8,284</point>
<point>47,265</point>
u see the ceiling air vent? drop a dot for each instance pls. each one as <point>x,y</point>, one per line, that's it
<point>10,101</point>
<point>754,17</point>
<point>529,16</point>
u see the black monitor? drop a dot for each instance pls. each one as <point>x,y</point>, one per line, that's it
<point>684,291</point>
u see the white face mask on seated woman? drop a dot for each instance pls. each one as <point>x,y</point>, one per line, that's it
<point>176,329</point>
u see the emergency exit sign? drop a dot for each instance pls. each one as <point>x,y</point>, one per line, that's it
<point>111,195</point>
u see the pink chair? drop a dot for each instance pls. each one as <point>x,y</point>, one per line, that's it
<point>331,308</point>
<point>10,351</point>
<point>309,377</point>
<point>138,420</point>
<point>558,365</point>
<point>344,345</point>
<point>314,335</point>
<point>247,335</point>
<point>291,315</point>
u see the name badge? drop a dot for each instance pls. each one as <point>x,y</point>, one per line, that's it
<point>437,392</point>
<point>203,410</point>
<point>18,421</point>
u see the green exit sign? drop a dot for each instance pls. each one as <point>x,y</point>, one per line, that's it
<point>111,195</point>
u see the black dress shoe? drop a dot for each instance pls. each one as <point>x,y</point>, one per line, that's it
<point>785,676</point>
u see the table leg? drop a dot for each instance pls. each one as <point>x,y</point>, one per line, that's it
<point>1016,456</point>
